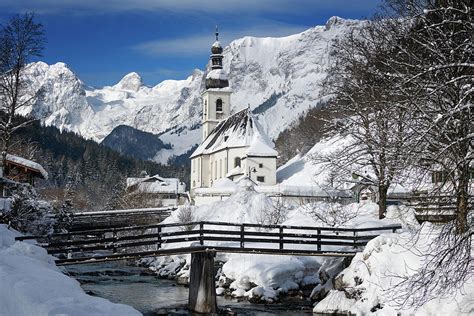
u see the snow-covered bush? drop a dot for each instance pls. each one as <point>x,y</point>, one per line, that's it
<point>185,215</point>
<point>331,214</point>
<point>29,213</point>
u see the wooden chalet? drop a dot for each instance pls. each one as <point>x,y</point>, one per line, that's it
<point>23,170</point>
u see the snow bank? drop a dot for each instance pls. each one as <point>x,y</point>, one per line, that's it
<point>303,171</point>
<point>367,285</point>
<point>31,284</point>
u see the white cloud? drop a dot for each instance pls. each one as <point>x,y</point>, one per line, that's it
<point>199,44</point>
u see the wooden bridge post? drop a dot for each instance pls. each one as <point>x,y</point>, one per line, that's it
<point>202,286</point>
<point>242,235</point>
<point>281,237</point>
<point>158,240</point>
<point>201,233</point>
<point>319,239</point>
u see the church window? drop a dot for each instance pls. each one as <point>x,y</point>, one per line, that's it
<point>260,165</point>
<point>194,183</point>
<point>215,170</point>
<point>261,179</point>
<point>237,162</point>
<point>219,105</point>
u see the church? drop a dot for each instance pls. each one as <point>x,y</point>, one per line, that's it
<point>234,146</point>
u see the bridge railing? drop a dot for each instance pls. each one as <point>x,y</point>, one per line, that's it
<point>175,238</point>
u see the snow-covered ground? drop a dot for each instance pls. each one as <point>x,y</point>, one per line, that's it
<point>31,284</point>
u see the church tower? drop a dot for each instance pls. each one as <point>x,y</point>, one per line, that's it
<point>216,97</point>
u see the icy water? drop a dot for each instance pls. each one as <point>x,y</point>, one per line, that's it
<point>137,287</point>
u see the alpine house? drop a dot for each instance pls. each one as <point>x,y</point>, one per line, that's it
<point>234,146</point>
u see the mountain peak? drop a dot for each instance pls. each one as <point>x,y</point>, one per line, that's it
<point>131,81</point>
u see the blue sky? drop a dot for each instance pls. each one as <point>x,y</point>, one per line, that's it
<point>102,40</point>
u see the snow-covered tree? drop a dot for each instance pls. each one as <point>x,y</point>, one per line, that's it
<point>436,65</point>
<point>435,68</point>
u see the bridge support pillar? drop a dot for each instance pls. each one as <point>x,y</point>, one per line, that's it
<point>202,286</point>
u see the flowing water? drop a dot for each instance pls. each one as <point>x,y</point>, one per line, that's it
<point>138,287</point>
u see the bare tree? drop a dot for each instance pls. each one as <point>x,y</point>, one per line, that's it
<point>366,103</point>
<point>21,39</point>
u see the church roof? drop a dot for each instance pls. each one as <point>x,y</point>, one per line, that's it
<point>238,130</point>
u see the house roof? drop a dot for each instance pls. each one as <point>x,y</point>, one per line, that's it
<point>156,184</point>
<point>29,164</point>
<point>238,130</point>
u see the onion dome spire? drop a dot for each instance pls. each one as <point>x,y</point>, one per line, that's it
<point>216,78</point>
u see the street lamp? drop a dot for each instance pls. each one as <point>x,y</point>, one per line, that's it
<point>251,169</point>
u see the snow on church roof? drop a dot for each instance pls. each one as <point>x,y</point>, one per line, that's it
<point>217,74</point>
<point>238,130</point>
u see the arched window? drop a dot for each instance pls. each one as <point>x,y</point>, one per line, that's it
<point>219,105</point>
<point>237,162</point>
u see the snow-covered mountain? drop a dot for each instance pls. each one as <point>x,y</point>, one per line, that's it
<point>278,77</point>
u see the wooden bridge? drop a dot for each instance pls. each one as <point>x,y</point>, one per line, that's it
<point>202,240</point>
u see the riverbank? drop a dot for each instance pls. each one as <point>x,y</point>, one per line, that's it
<point>120,282</point>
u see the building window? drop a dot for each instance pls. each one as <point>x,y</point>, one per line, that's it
<point>260,165</point>
<point>219,105</point>
<point>194,183</point>
<point>215,171</point>
<point>439,176</point>
<point>237,162</point>
<point>261,179</point>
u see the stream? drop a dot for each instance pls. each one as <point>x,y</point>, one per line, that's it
<point>140,288</point>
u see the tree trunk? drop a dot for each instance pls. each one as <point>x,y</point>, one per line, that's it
<point>382,200</point>
<point>462,201</point>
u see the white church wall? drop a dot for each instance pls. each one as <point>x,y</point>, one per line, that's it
<point>263,167</point>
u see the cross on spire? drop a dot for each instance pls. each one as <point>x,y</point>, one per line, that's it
<point>217,33</point>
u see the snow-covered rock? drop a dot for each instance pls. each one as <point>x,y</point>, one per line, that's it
<point>278,77</point>
<point>31,284</point>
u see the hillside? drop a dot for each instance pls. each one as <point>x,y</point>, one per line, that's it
<point>89,173</point>
<point>134,143</point>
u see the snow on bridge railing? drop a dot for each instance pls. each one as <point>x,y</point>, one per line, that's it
<point>133,210</point>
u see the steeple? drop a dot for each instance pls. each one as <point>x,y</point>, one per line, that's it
<point>216,78</point>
